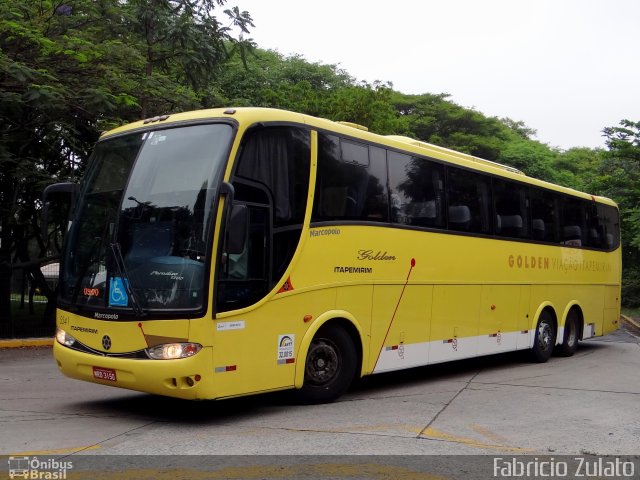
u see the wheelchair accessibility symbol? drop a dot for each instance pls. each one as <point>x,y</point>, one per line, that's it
<point>117,293</point>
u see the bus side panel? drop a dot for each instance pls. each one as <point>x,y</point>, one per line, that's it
<point>524,318</point>
<point>611,309</point>
<point>258,350</point>
<point>590,299</point>
<point>401,314</point>
<point>356,300</point>
<point>499,319</point>
<point>454,322</point>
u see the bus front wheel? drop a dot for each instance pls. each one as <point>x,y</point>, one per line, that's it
<point>544,339</point>
<point>330,366</point>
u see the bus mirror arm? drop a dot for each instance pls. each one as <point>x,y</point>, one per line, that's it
<point>70,189</point>
<point>228,191</point>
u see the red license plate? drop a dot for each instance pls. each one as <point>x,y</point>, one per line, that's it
<point>108,374</point>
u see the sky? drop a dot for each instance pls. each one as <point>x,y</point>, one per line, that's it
<point>566,68</point>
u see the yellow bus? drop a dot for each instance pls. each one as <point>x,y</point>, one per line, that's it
<point>227,252</point>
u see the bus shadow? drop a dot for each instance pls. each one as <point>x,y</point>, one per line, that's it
<point>460,370</point>
<point>201,412</point>
<point>209,412</point>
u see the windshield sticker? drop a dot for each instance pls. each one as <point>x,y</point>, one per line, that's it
<point>286,345</point>
<point>117,293</point>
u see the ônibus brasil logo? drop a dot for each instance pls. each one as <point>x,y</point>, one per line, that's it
<point>35,468</point>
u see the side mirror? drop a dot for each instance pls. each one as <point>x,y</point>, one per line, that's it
<point>237,229</point>
<point>68,190</point>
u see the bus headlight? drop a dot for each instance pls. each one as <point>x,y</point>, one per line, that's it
<point>171,351</point>
<point>64,338</point>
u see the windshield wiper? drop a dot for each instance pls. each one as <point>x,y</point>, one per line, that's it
<point>122,273</point>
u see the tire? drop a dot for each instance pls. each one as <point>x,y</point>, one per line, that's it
<point>570,341</point>
<point>544,341</point>
<point>330,366</point>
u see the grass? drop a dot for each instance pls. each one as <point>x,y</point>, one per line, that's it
<point>631,312</point>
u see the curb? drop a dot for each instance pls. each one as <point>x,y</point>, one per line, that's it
<point>630,320</point>
<point>26,342</point>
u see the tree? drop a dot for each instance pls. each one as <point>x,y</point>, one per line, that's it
<point>183,45</point>
<point>434,119</point>
<point>619,179</point>
<point>533,158</point>
<point>69,70</point>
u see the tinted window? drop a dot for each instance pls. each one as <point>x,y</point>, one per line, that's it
<point>608,226</point>
<point>271,179</point>
<point>275,164</point>
<point>573,225</point>
<point>146,223</point>
<point>594,236</point>
<point>468,201</point>
<point>416,186</point>
<point>511,219</point>
<point>543,215</point>
<point>351,183</point>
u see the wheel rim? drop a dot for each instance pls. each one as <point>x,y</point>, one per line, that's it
<point>544,336</point>
<point>323,362</point>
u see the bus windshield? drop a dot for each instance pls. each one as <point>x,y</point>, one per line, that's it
<point>140,235</point>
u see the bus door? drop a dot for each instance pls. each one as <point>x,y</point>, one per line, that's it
<point>271,182</point>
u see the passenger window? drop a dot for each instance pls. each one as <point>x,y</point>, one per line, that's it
<point>468,201</point>
<point>511,209</point>
<point>543,215</point>
<point>594,234</point>
<point>351,183</point>
<point>573,222</point>
<point>609,226</point>
<point>416,186</point>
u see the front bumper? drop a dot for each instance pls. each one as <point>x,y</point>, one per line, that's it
<point>187,378</point>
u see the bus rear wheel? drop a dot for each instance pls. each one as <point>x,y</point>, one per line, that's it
<point>330,366</point>
<point>544,339</point>
<point>570,341</point>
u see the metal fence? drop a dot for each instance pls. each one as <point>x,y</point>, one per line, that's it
<point>32,312</point>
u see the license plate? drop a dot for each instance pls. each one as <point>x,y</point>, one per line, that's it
<point>108,374</point>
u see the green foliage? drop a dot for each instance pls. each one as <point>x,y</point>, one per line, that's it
<point>434,119</point>
<point>619,178</point>
<point>533,158</point>
<point>70,70</point>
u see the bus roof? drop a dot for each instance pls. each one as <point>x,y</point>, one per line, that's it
<point>247,116</point>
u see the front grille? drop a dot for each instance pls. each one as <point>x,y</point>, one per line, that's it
<point>137,355</point>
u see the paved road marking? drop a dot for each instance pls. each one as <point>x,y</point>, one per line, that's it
<point>57,451</point>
